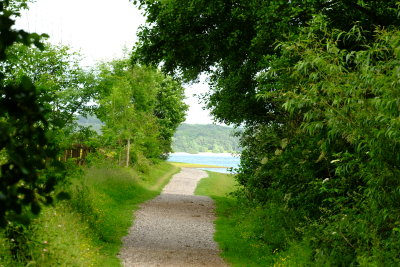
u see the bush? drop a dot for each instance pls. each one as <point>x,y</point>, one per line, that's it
<point>330,161</point>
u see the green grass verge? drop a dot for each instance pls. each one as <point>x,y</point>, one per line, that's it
<point>216,185</point>
<point>113,195</point>
<point>240,227</point>
<point>87,230</point>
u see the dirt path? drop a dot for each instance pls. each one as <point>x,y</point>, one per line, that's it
<point>174,229</point>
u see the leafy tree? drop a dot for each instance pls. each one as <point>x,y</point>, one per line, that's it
<point>23,123</point>
<point>121,119</point>
<point>349,102</point>
<point>62,85</point>
<point>231,41</point>
<point>333,157</point>
<point>170,110</point>
<point>316,85</point>
<point>140,107</point>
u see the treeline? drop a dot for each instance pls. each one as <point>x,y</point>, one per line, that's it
<point>195,138</point>
<point>316,86</point>
<point>43,88</point>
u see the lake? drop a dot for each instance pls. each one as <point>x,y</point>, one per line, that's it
<point>218,159</point>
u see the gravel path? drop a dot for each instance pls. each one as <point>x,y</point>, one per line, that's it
<point>174,229</point>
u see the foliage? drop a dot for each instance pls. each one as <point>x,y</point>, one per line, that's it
<point>205,138</point>
<point>42,90</point>
<point>315,84</point>
<point>62,85</point>
<point>56,72</point>
<point>141,106</point>
<point>23,127</point>
<point>334,158</point>
<point>229,41</point>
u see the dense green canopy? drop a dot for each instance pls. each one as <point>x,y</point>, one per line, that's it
<point>231,40</point>
<point>315,83</point>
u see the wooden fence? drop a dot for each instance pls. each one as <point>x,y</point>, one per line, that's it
<point>78,152</point>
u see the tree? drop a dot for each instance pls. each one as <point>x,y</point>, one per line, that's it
<point>316,85</point>
<point>119,114</point>
<point>336,152</point>
<point>62,85</point>
<point>170,110</point>
<point>23,125</point>
<point>140,107</point>
<point>231,41</point>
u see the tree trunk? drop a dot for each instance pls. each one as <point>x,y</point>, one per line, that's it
<point>128,147</point>
<point>119,153</point>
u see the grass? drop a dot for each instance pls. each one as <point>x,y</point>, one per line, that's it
<point>240,226</point>
<point>114,194</point>
<point>87,230</point>
<point>253,234</point>
<point>216,185</point>
<point>194,165</point>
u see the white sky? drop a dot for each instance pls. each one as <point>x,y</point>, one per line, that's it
<point>100,29</point>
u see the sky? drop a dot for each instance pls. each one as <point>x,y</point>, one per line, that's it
<point>100,30</point>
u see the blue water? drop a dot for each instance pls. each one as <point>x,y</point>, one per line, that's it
<point>225,160</point>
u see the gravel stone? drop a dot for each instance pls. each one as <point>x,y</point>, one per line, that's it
<point>174,229</point>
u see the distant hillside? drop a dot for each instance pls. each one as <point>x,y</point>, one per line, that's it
<point>90,121</point>
<point>194,138</point>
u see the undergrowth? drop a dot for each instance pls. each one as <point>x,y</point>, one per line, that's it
<point>269,234</point>
<point>87,229</point>
<point>249,234</point>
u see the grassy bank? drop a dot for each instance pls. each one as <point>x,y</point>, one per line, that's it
<point>248,234</point>
<point>87,230</point>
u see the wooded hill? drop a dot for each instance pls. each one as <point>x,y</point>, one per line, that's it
<point>194,138</point>
<point>90,121</point>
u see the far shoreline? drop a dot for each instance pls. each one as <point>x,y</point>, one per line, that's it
<point>196,165</point>
<point>234,154</point>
